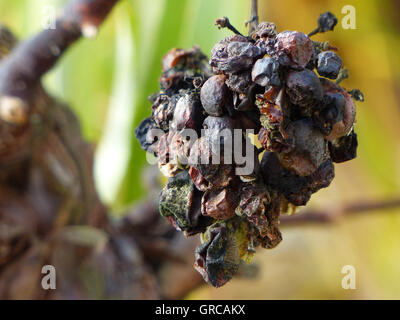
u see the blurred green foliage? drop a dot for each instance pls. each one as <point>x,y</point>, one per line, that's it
<point>107,80</point>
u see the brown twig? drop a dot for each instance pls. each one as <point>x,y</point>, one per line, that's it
<point>21,95</point>
<point>22,72</point>
<point>334,214</point>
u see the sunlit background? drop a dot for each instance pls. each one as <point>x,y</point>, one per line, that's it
<point>107,80</point>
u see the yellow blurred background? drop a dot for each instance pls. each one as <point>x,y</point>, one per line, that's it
<point>107,80</point>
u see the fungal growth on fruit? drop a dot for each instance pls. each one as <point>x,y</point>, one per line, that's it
<point>281,86</point>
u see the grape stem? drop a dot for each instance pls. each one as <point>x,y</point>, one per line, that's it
<point>253,22</point>
<point>315,31</point>
<point>225,23</point>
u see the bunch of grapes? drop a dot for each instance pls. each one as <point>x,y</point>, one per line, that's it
<point>303,121</point>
